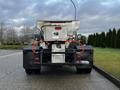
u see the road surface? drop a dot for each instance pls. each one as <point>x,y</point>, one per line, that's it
<point>13,77</point>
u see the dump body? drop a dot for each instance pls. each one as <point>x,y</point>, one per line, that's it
<point>58,30</point>
<point>60,50</point>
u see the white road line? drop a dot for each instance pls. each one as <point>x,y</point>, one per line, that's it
<point>10,55</point>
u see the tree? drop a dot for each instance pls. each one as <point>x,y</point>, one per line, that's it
<point>97,39</point>
<point>26,34</point>
<point>83,38</point>
<point>113,38</point>
<point>11,35</point>
<point>1,32</point>
<point>94,40</point>
<point>110,38</point>
<point>118,39</point>
<point>89,39</point>
<point>102,37</point>
<point>107,39</point>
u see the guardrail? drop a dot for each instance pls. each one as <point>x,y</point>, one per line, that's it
<point>108,76</point>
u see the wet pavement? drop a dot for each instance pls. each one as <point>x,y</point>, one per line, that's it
<point>6,52</point>
<point>13,77</point>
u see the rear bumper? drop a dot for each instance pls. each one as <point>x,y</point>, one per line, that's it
<point>37,66</point>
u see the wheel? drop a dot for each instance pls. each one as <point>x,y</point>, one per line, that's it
<point>36,71</point>
<point>28,71</point>
<point>79,70</point>
<point>88,70</point>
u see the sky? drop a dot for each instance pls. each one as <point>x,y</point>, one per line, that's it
<point>94,15</point>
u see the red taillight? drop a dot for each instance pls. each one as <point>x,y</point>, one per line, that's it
<point>58,28</point>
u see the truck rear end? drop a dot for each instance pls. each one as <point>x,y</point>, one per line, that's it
<point>59,50</point>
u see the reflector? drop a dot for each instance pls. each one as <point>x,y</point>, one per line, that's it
<point>58,28</point>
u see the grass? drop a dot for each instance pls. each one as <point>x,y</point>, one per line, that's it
<point>11,46</point>
<point>108,60</point>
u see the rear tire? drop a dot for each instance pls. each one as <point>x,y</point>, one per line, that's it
<point>88,70</point>
<point>36,71</point>
<point>28,71</point>
<point>79,70</point>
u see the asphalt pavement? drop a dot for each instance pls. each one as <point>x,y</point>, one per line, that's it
<point>13,77</point>
<point>6,52</point>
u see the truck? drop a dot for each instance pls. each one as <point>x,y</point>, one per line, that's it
<point>61,47</point>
